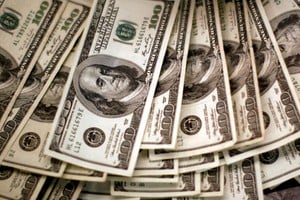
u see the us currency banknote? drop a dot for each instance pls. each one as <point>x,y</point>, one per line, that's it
<point>162,126</point>
<point>26,152</point>
<point>284,17</point>
<point>280,104</point>
<point>146,179</point>
<point>242,72</point>
<point>108,97</point>
<point>189,184</point>
<point>97,188</point>
<point>73,172</point>
<point>242,181</point>
<point>206,121</point>
<point>212,182</point>
<point>35,129</point>
<point>162,171</point>
<point>198,163</point>
<point>280,164</point>
<point>94,190</point>
<point>25,28</point>
<point>146,167</point>
<point>60,43</point>
<point>87,196</point>
<point>46,189</point>
<point>16,184</point>
<point>62,189</point>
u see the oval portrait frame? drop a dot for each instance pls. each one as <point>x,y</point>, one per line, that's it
<point>41,114</point>
<point>211,77</point>
<point>240,72</point>
<point>9,57</point>
<point>276,20</point>
<point>109,61</point>
<point>171,73</point>
<point>8,88</point>
<point>265,70</point>
<point>293,69</point>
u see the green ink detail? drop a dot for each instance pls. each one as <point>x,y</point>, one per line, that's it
<point>126,32</point>
<point>9,21</point>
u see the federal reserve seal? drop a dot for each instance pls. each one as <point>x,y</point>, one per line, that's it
<point>269,157</point>
<point>191,125</point>
<point>266,119</point>
<point>5,172</point>
<point>94,137</point>
<point>29,141</point>
<point>297,144</point>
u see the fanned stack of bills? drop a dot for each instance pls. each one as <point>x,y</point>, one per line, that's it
<point>148,99</point>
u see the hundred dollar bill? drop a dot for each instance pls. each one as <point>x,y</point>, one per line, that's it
<point>284,17</point>
<point>188,184</point>
<point>26,153</point>
<point>198,163</point>
<point>36,129</point>
<point>206,121</point>
<point>163,121</point>
<point>242,181</point>
<point>153,171</point>
<point>163,171</point>
<point>74,172</point>
<point>87,196</point>
<point>212,182</point>
<point>145,167</point>
<point>16,184</point>
<point>280,104</point>
<point>62,189</point>
<point>97,188</point>
<point>46,189</point>
<point>146,179</point>
<point>94,190</point>
<point>280,164</point>
<point>25,27</point>
<point>41,112</point>
<point>101,118</point>
<point>242,72</point>
<point>58,50</point>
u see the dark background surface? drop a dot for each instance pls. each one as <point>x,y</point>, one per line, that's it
<point>289,190</point>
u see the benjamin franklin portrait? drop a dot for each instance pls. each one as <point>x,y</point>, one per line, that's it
<point>8,75</point>
<point>110,86</point>
<point>31,87</point>
<point>170,72</point>
<point>286,28</point>
<point>238,64</point>
<point>9,81</point>
<point>30,90</point>
<point>202,74</point>
<point>47,107</point>
<point>267,68</point>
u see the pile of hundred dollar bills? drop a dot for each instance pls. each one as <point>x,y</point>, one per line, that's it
<point>148,99</point>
